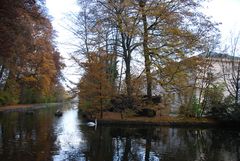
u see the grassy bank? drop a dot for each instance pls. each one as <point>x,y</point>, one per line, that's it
<point>26,106</point>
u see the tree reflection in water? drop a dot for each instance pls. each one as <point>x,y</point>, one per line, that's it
<point>162,143</point>
<point>43,137</point>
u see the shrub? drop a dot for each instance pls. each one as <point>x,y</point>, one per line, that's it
<point>7,98</point>
<point>147,112</point>
<point>226,112</point>
<point>192,110</point>
<point>213,97</point>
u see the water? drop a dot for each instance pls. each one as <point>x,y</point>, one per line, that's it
<point>42,136</point>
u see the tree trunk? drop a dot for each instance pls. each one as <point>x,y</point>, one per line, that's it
<point>128,77</point>
<point>127,59</point>
<point>120,78</point>
<point>101,102</point>
<point>146,50</point>
<point>237,91</point>
<point>1,71</point>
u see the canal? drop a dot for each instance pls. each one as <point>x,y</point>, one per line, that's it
<point>41,136</point>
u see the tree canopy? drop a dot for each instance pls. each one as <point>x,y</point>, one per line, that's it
<point>30,65</point>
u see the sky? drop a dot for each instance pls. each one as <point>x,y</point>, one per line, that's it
<point>226,12</point>
<point>59,11</point>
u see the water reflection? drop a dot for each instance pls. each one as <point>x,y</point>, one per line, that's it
<point>44,137</point>
<point>26,137</point>
<point>69,137</point>
<point>165,144</point>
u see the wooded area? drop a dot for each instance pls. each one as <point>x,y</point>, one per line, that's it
<point>30,65</point>
<point>138,56</point>
<point>156,43</point>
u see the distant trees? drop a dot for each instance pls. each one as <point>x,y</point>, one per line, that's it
<point>29,63</point>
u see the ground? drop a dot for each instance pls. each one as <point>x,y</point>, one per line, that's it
<point>25,106</point>
<point>114,117</point>
<point>15,107</point>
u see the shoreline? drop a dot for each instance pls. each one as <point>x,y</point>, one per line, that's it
<point>20,107</point>
<point>115,119</point>
<point>159,123</point>
<point>171,121</point>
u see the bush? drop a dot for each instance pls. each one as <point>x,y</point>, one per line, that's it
<point>213,96</point>
<point>30,95</point>
<point>226,112</point>
<point>194,110</point>
<point>7,98</point>
<point>147,112</point>
<point>196,107</point>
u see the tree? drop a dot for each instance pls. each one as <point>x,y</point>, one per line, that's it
<point>161,33</point>
<point>171,31</point>
<point>28,58</point>
<point>111,28</point>
<point>95,86</point>
<point>230,63</point>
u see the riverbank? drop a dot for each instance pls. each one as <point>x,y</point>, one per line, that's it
<point>113,118</point>
<point>20,107</point>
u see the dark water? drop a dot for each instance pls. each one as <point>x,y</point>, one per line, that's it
<point>42,136</point>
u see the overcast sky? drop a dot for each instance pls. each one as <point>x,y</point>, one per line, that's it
<point>226,12</point>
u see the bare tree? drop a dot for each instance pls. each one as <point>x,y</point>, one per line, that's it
<point>231,68</point>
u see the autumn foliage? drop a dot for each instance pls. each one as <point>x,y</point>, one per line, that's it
<point>96,87</point>
<point>152,37</point>
<point>29,63</point>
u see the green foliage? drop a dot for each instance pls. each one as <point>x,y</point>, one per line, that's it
<point>196,107</point>
<point>30,95</point>
<point>213,96</point>
<point>11,93</point>
<point>193,110</point>
<point>85,105</point>
<point>222,108</point>
<point>226,112</point>
<point>8,98</point>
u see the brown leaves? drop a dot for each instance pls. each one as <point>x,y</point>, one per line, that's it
<point>95,85</point>
<point>27,50</point>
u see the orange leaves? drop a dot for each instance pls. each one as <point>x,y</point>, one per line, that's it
<point>27,52</point>
<point>95,85</point>
<point>29,79</point>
